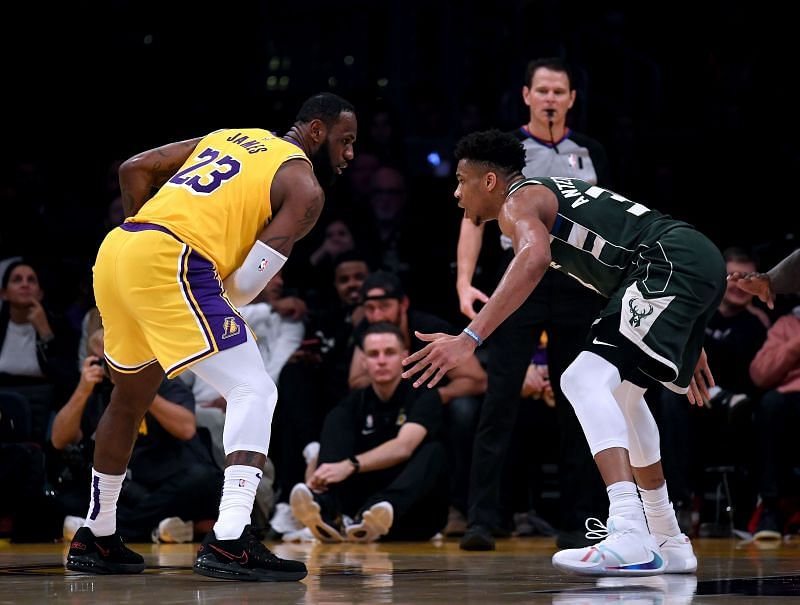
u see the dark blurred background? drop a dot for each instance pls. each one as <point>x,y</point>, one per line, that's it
<point>695,104</point>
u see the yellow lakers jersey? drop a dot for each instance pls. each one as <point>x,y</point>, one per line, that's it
<point>218,202</point>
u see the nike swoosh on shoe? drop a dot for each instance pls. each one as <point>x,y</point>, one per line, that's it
<point>242,558</point>
<point>655,563</point>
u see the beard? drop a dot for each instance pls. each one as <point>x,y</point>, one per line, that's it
<point>321,161</point>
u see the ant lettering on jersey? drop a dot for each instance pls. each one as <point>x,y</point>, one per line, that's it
<point>252,145</point>
<point>567,189</point>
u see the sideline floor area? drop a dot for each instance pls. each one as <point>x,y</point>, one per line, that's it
<point>519,571</point>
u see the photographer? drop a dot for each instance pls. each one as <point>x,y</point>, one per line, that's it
<point>171,481</point>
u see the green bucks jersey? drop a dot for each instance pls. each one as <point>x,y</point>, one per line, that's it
<point>598,234</point>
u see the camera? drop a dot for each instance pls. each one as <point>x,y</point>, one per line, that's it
<point>103,364</point>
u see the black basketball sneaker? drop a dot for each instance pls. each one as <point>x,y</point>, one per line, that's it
<point>245,558</point>
<point>102,554</point>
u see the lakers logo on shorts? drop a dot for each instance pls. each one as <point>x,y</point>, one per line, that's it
<point>230,327</point>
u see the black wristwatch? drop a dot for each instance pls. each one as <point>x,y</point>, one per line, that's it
<point>354,461</point>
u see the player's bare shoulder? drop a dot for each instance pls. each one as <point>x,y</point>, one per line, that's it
<point>295,180</point>
<point>532,200</point>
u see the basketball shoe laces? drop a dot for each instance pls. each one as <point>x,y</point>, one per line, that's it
<point>597,530</point>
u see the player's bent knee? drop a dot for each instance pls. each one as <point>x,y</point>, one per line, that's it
<point>249,414</point>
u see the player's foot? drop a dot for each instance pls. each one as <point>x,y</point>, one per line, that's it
<point>678,553</point>
<point>245,558</point>
<point>308,511</point>
<point>375,522</point>
<point>102,554</point>
<point>627,550</point>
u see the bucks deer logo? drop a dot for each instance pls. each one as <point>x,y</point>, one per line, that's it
<point>639,311</point>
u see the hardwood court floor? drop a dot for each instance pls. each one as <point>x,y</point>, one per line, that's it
<point>519,571</point>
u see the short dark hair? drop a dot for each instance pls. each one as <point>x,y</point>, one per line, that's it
<point>737,254</point>
<point>324,106</point>
<point>350,256</point>
<point>388,282</point>
<point>551,63</point>
<point>382,327</point>
<point>493,148</point>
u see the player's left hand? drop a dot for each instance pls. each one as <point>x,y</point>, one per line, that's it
<point>703,380</point>
<point>442,354</point>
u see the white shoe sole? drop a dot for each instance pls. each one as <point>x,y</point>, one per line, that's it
<point>599,571</point>
<point>686,565</point>
<point>307,511</point>
<point>376,522</point>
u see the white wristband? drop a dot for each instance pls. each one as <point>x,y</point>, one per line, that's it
<point>260,266</point>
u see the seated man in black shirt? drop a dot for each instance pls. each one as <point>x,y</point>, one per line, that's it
<point>379,462</point>
<point>461,391</point>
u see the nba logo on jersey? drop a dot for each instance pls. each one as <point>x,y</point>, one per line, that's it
<point>262,265</point>
<point>230,327</point>
<point>572,159</point>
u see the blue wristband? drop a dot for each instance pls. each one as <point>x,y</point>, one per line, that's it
<point>473,336</point>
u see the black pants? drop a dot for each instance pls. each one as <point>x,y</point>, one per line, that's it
<point>298,420</point>
<point>776,424</point>
<point>460,423</point>
<point>417,489</point>
<point>566,311</point>
<point>35,516</point>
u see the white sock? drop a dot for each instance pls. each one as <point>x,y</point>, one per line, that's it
<point>238,495</point>
<point>625,502</point>
<point>103,495</point>
<point>659,511</point>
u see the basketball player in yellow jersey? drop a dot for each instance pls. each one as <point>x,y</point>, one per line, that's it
<point>228,209</point>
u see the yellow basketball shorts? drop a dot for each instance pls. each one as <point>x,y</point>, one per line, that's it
<point>160,301</point>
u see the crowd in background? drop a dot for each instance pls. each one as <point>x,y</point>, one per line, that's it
<point>392,214</point>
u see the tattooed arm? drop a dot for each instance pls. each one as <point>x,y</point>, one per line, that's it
<point>139,175</point>
<point>297,201</point>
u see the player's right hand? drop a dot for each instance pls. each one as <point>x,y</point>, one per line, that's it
<point>466,300</point>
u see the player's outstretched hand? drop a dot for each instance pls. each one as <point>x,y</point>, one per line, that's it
<point>442,353</point>
<point>755,283</point>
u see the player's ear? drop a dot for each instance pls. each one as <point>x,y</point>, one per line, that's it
<point>318,130</point>
<point>491,180</point>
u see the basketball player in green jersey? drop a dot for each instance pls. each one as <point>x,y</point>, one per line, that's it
<point>663,280</point>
